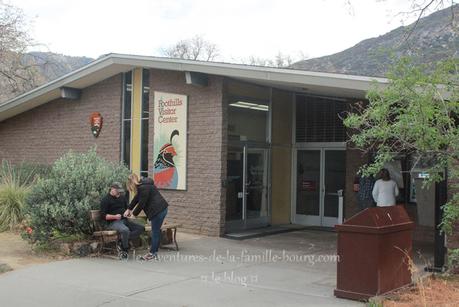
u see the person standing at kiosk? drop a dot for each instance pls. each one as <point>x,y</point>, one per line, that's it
<point>363,186</point>
<point>385,190</point>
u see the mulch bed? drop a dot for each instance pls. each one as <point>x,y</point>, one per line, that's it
<point>431,291</point>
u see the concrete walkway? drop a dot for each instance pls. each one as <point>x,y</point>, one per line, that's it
<point>267,271</point>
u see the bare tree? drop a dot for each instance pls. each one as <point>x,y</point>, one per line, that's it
<point>421,8</point>
<point>195,48</point>
<point>280,60</point>
<point>16,74</point>
<point>418,9</point>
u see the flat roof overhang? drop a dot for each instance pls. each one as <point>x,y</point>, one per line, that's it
<point>315,83</point>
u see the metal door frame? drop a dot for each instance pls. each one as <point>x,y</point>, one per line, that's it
<point>265,220</point>
<point>246,223</point>
<point>312,220</point>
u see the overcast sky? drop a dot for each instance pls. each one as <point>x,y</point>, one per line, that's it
<point>240,28</point>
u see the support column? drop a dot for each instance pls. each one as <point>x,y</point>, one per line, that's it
<point>136,120</point>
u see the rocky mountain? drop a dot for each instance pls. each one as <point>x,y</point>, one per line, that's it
<point>53,65</point>
<point>36,68</point>
<point>433,38</point>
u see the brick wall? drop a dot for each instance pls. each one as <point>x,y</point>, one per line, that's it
<point>200,209</point>
<point>45,133</point>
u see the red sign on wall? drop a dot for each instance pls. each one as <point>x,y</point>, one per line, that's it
<point>308,185</point>
<point>96,121</point>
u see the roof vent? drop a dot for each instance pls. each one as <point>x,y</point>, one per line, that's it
<point>196,78</point>
<point>70,93</point>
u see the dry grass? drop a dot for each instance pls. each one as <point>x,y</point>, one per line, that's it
<point>431,291</point>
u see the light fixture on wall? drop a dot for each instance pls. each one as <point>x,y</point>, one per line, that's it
<point>250,105</point>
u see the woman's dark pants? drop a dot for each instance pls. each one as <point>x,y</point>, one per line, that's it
<point>156,223</point>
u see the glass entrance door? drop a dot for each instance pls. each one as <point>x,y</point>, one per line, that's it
<point>235,184</point>
<point>320,176</point>
<point>257,187</point>
<point>308,195</point>
<point>247,190</point>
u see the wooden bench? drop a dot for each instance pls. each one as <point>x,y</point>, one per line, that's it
<point>103,236</point>
<point>109,236</point>
<point>167,227</point>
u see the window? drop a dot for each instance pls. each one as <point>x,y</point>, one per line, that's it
<point>126,119</point>
<point>144,125</point>
<point>127,132</point>
<point>318,119</point>
<point>249,109</point>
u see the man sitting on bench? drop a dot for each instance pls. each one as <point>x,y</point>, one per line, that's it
<point>112,207</point>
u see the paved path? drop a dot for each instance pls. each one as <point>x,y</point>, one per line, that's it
<point>246,273</point>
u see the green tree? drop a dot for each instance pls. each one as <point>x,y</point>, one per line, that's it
<point>417,113</point>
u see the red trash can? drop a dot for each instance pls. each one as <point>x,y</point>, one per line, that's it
<point>374,249</point>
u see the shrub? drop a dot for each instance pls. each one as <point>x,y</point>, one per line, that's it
<point>15,183</point>
<point>61,202</point>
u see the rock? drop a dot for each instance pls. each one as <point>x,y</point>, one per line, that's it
<point>94,246</point>
<point>81,249</point>
<point>65,248</point>
<point>4,267</point>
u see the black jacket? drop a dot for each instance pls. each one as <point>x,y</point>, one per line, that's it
<point>112,205</point>
<point>148,198</point>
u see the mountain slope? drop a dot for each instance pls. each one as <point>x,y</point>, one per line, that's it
<point>435,37</point>
<point>37,68</point>
<point>53,65</point>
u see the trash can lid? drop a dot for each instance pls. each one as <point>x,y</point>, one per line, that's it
<point>379,217</point>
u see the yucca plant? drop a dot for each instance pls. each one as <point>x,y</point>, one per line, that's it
<point>21,174</point>
<point>12,205</point>
<point>15,184</point>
